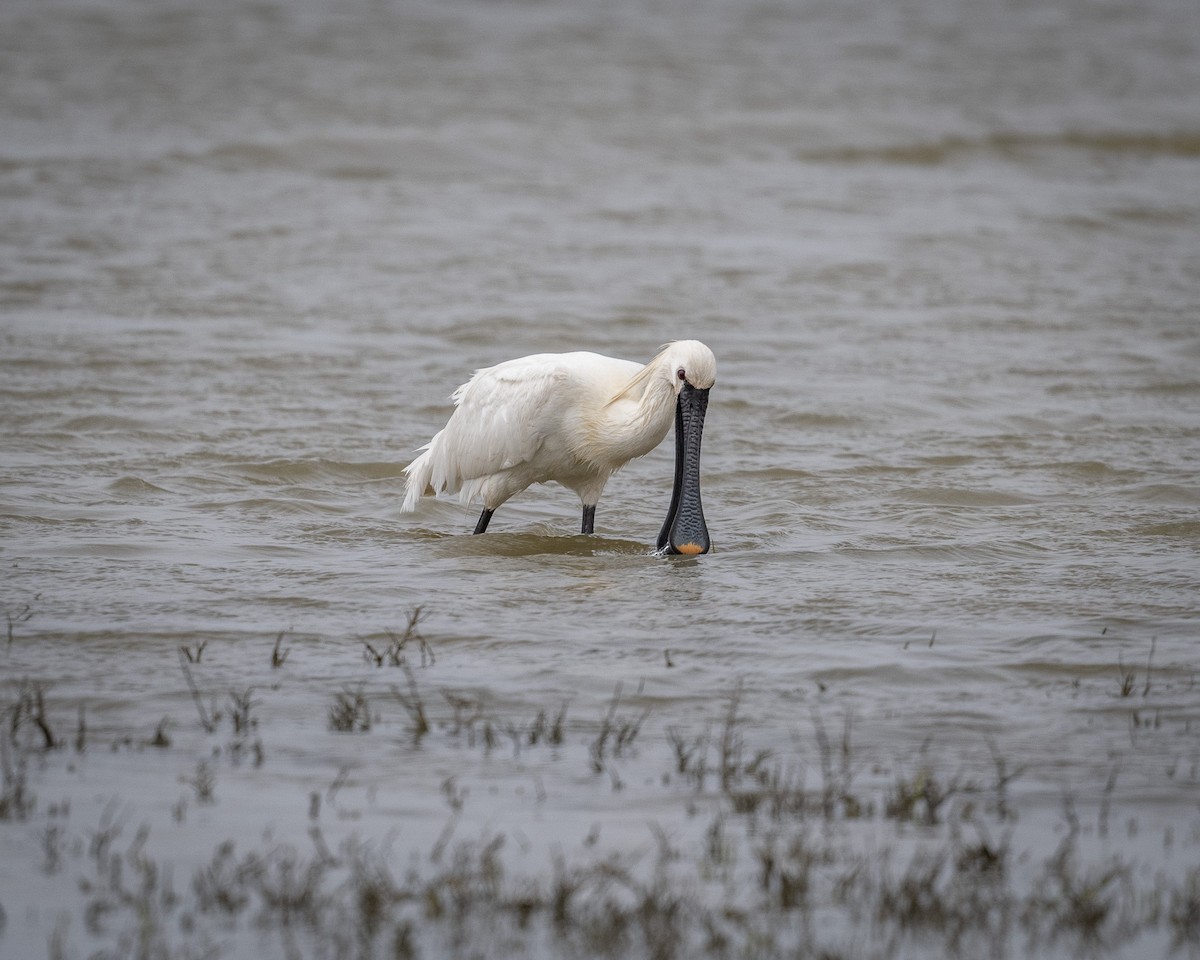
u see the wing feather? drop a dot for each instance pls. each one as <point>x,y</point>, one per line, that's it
<point>500,421</point>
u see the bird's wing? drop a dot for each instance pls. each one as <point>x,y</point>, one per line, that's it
<point>501,418</point>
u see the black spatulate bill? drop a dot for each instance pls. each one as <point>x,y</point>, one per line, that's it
<point>684,531</point>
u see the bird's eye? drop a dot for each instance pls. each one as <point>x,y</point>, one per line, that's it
<point>681,373</point>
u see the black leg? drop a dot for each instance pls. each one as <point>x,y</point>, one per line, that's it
<point>483,520</point>
<point>589,519</point>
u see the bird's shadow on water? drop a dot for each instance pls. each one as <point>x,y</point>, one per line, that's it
<point>533,545</point>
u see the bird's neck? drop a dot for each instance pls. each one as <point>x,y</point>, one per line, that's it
<point>634,424</point>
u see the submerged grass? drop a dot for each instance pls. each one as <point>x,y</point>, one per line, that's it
<point>819,852</point>
<point>350,711</point>
<point>950,898</point>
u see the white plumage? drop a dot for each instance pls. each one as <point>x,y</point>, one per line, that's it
<point>574,418</point>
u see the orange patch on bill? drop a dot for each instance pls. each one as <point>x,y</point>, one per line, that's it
<point>691,549</point>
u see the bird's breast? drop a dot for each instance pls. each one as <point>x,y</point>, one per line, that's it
<point>623,431</point>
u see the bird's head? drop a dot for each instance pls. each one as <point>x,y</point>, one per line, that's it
<point>689,363</point>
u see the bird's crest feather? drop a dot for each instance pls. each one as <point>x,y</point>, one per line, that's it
<point>637,383</point>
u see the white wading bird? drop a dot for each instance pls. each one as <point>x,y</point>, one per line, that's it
<point>575,418</point>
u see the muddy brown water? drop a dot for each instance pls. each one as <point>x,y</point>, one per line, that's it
<point>947,259</point>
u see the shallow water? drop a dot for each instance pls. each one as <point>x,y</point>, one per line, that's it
<point>946,258</point>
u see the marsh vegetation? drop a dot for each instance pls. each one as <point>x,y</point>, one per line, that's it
<point>457,826</point>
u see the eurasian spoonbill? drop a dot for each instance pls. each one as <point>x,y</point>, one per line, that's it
<point>574,418</point>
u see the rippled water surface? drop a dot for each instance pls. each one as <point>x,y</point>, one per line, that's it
<point>947,257</point>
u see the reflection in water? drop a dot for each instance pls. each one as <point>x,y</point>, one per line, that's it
<point>533,545</point>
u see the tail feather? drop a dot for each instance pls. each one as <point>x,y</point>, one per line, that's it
<point>418,474</point>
